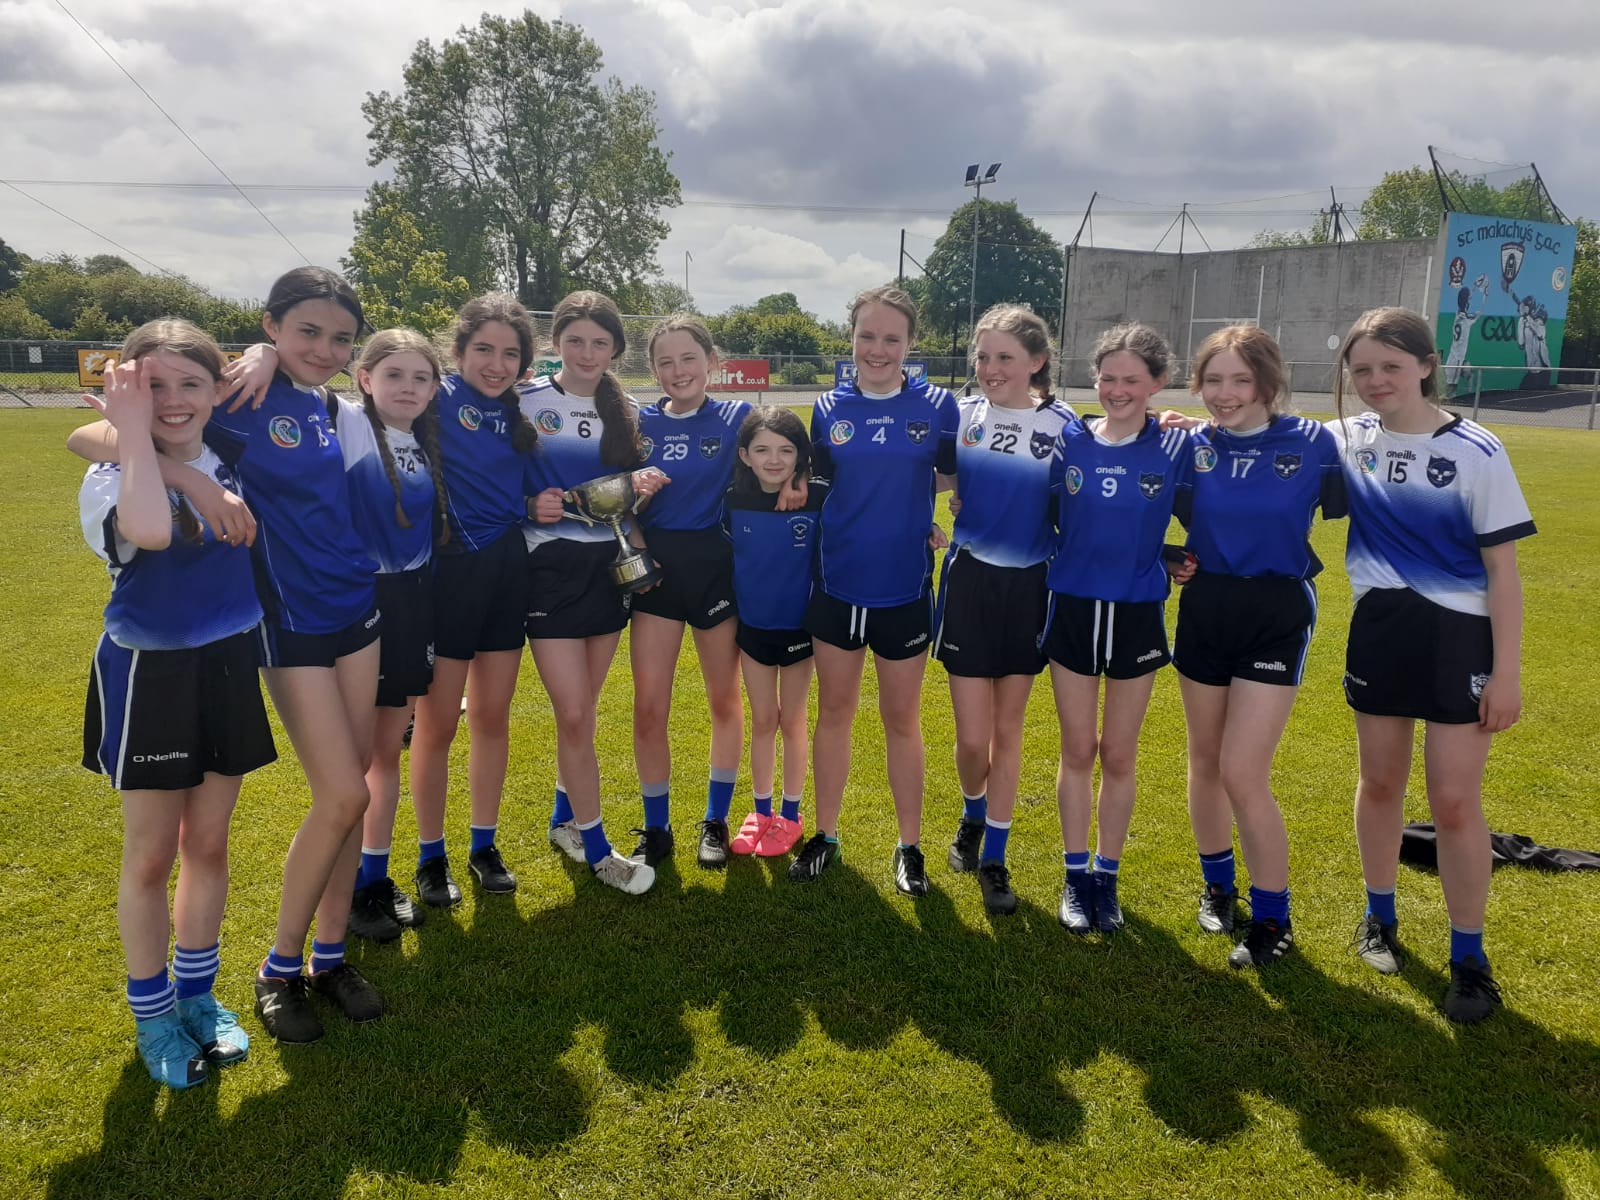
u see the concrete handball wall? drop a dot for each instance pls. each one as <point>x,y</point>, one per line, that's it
<point>1305,295</point>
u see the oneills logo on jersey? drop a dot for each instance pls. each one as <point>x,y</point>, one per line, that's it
<point>284,431</point>
<point>841,432</point>
<point>917,431</point>
<point>1441,471</point>
<point>1151,483</point>
<point>1205,458</point>
<point>1041,443</point>
<point>1367,460</point>
<point>1074,480</point>
<point>1286,465</point>
<point>973,436</point>
<point>548,420</point>
<point>470,417</point>
<point>709,446</point>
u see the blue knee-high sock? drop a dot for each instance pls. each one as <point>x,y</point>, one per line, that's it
<point>1269,906</point>
<point>1077,864</point>
<point>974,808</point>
<point>657,804</point>
<point>995,834</point>
<point>282,966</point>
<point>325,955</point>
<point>719,793</point>
<point>374,866</point>
<point>1219,871</point>
<point>1466,943</point>
<point>595,845</point>
<point>791,807</point>
<point>562,813</point>
<point>151,997</point>
<point>194,972</point>
<point>426,851</point>
<point>482,837</point>
<point>1380,904</point>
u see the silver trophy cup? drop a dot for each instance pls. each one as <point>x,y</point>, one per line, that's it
<point>606,501</point>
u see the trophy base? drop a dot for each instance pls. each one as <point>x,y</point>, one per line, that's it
<point>635,572</point>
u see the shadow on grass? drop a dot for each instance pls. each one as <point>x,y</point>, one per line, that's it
<point>496,1018</point>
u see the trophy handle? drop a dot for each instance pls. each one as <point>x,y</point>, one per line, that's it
<point>570,509</point>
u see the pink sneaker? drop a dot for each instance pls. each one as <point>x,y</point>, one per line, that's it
<point>780,837</point>
<point>752,831</point>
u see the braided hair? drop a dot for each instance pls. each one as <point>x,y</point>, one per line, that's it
<point>379,347</point>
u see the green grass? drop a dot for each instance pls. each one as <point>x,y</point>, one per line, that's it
<point>731,1034</point>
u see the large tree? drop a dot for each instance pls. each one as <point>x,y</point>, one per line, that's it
<point>537,176</point>
<point>1017,263</point>
<point>1581,345</point>
<point>11,264</point>
<point>401,280</point>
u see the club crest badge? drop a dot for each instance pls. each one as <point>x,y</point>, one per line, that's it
<point>548,420</point>
<point>709,446</point>
<point>1367,460</point>
<point>973,435</point>
<point>1441,471</point>
<point>284,432</point>
<point>1151,483</point>
<point>1074,480</point>
<point>800,530</point>
<point>469,417</point>
<point>1041,444</point>
<point>841,432</point>
<point>1205,458</point>
<point>917,431</point>
<point>647,446</point>
<point>1286,466</point>
<point>1476,684</point>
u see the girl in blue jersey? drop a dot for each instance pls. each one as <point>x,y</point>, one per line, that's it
<point>1120,477</point>
<point>174,713</point>
<point>1245,620</point>
<point>881,441</point>
<point>1435,516</point>
<point>480,592</point>
<point>992,592</point>
<point>693,440</point>
<point>391,452</point>
<point>588,427</point>
<point>319,645</point>
<point>774,565</point>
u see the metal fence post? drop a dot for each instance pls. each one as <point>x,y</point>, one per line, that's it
<point>1594,395</point>
<point>1477,391</point>
<point>1288,384</point>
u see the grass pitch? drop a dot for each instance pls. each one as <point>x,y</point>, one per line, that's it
<point>731,1034</point>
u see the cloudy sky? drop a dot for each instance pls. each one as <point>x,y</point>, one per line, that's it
<point>806,133</point>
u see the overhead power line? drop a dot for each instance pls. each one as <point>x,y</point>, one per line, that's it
<point>174,122</point>
<point>95,232</point>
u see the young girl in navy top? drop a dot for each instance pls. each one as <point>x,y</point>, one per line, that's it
<point>1120,477</point>
<point>1435,516</point>
<point>588,427</point>
<point>1245,620</point>
<point>691,438</point>
<point>390,441</point>
<point>774,566</point>
<point>174,713</point>
<point>992,593</point>
<point>319,644</point>
<point>880,440</point>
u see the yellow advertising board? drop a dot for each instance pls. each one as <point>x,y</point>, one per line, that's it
<point>93,365</point>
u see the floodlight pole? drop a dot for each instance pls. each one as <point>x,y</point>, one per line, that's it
<point>976,182</point>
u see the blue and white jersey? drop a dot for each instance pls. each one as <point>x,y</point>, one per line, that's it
<point>312,573</point>
<point>483,473</point>
<point>188,595</point>
<point>1003,455</point>
<point>880,457</point>
<point>774,555</point>
<point>698,452</point>
<point>568,454</point>
<point>1423,505</point>
<point>1116,502</point>
<point>372,497</point>
<point>1255,495</point>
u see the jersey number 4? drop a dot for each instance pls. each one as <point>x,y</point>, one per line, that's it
<point>880,435</point>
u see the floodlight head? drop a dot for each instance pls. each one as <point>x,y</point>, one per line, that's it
<point>989,174</point>
<point>972,172</point>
